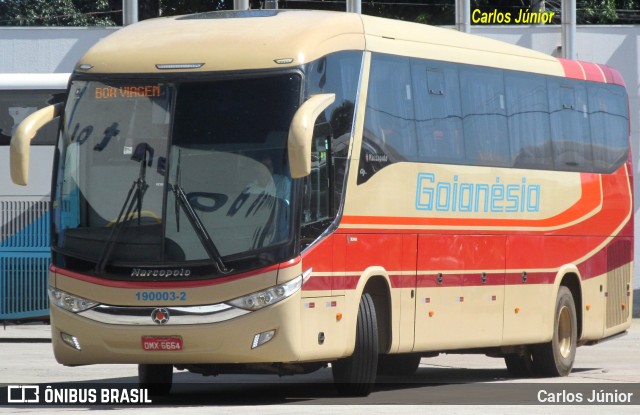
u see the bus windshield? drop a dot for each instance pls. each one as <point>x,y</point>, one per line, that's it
<point>170,173</point>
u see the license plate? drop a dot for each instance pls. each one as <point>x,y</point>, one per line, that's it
<point>162,343</point>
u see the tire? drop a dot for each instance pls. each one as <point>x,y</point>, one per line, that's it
<point>520,366</point>
<point>156,379</point>
<point>398,364</point>
<point>356,374</point>
<point>556,357</point>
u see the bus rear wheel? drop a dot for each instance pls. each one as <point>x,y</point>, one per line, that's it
<point>356,374</point>
<point>556,357</point>
<point>520,365</point>
<point>156,379</point>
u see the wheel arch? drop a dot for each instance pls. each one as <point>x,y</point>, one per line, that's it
<point>376,282</point>
<point>569,276</point>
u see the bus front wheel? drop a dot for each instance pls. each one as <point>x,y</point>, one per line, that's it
<point>398,364</point>
<point>556,357</point>
<point>156,379</point>
<point>356,374</point>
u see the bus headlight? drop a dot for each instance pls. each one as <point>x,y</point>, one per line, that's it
<point>69,302</point>
<point>267,297</point>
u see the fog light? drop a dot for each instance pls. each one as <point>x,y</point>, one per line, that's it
<point>262,338</point>
<point>71,340</point>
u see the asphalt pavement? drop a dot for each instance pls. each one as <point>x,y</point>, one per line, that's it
<point>481,384</point>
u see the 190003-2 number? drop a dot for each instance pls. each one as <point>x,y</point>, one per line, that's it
<point>161,296</point>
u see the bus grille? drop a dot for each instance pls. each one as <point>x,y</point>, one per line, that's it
<point>618,282</point>
<point>24,259</point>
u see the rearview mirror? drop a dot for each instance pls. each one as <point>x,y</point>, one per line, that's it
<point>301,133</point>
<point>21,141</point>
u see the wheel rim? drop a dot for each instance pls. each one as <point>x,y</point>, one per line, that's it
<point>564,332</point>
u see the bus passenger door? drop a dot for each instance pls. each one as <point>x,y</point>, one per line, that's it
<point>339,264</point>
<point>405,286</point>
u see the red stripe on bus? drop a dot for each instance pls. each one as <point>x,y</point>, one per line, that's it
<point>589,269</point>
<point>402,281</point>
<point>572,69</point>
<point>617,253</point>
<point>432,280</point>
<point>160,284</point>
<point>530,277</point>
<point>592,72</point>
<point>611,75</point>
<point>290,263</point>
<point>608,75</point>
<point>318,283</point>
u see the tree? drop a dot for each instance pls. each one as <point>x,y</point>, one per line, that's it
<point>177,7</point>
<point>56,13</point>
<point>436,12</point>
<point>597,11</point>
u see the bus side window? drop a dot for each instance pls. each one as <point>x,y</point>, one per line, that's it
<point>389,134</point>
<point>317,195</point>
<point>609,126</point>
<point>317,190</point>
<point>570,126</point>
<point>337,73</point>
<point>484,116</point>
<point>438,113</point>
<point>528,117</point>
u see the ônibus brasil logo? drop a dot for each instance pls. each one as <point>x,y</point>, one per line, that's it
<point>72,394</point>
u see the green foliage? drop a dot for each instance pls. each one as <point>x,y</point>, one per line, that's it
<point>55,13</point>
<point>597,12</point>
<point>177,7</point>
<point>434,12</point>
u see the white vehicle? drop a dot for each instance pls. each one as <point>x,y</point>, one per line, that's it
<point>24,219</point>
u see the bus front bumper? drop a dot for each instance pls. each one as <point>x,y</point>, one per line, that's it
<point>78,340</point>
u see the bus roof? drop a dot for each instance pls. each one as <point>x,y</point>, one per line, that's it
<point>26,81</point>
<point>262,39</point>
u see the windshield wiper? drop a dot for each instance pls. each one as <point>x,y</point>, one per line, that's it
<point>196,223</point>
<point>133,200</point>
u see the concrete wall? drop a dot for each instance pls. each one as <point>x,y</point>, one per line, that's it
<point>45,50</point>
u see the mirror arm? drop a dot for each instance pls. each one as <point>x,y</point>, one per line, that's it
<point>21,140</point>
<point>301,133</point>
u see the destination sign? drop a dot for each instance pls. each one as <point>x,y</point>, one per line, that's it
<point>129,91</point>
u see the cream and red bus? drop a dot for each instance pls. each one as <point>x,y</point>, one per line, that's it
<point>279,191</point>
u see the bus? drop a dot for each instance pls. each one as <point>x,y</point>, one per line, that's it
<point>24,224</point>
<point>333,190</point>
